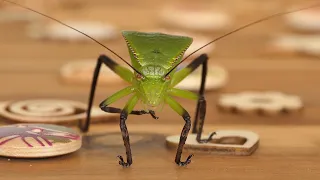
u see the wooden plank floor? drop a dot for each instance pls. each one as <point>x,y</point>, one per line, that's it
<point>290,145</point>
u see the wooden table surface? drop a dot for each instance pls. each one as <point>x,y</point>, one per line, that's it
<point>290,145</point>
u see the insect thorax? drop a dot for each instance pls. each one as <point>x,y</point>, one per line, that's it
<point>153,70</point>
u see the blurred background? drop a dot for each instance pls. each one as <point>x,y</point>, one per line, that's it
<point>34,50</point>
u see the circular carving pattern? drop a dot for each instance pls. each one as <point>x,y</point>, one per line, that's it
<point>81,72</point>
<point>270,103</point>
<point>37,140</point>
<point>48,111</point>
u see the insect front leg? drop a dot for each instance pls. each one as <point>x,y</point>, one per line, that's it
<point>201,104</point>
<point>124,131</point>
<point>104,105</point>
<point>123,72</point>
<point>184,133</point>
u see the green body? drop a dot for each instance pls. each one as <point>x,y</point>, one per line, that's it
<point>154,55</point>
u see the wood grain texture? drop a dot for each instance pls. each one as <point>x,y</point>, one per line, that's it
<point>289,145</point>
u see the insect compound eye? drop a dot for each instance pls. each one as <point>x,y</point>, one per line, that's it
<point>139,77</point>
<point>167,78</point>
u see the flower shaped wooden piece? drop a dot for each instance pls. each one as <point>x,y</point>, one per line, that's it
<point>263,102</point>
<point>37,140</point>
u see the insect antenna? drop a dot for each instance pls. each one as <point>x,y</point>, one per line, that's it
<point>240,28</point>
<point>25,7</point>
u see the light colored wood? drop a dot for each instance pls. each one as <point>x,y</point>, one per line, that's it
<point>38,141</point>
<point>225,142</point>
<point>289,148</point>
<point>50,111</point>
<point>289,152</point>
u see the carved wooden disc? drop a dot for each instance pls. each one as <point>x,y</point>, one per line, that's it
<point>50,111</point>
<point>38,140</point>
<point>194,16</point>
<point>226,142</point>
<point>306,20</point>
<point>81,72</point>
<point>54,31</point>
<point>296,44</point>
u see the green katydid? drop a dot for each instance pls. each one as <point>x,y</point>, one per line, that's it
<point>154,60</point>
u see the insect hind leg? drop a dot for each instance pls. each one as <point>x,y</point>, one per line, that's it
<point>202,104</point>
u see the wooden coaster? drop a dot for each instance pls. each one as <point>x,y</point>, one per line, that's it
<point>194,16</point>
<point>50,111</point>
<point>10,12</point>
<point>225,142</point>
<point>307,20</point>
<point>266,103</point>
<point>216,78</point>
<point>37,140</point>
<point>81,72</point>
<point>296,44</point>
<point>49,30</point>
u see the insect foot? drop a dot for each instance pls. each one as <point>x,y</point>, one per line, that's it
<point>185,163</point>
<point>208,139</point>
<point>122,163</point>
<point>153,114</point>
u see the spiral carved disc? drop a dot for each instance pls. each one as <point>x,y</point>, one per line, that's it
<point>49,111</point>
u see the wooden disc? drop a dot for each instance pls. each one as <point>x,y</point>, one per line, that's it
<point>265,103</point>
<point>50,111</point>
<point>54,31</point>
<point>37,140</point>
<point>216,78</point>
<point>296,44</point>
<point>194,16</point>
<point>225,142</point>
<point>81,72</point>
<point>306,20</point>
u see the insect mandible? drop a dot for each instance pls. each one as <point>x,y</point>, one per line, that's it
<point>154,61</point>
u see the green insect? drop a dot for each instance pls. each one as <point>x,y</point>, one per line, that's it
<point>154,61</point>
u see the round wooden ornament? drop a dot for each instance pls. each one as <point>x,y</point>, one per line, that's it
<point>194,16</point>
<point>49,30</point>
<point>217,77</point>
<point>225,142</point>
<point>81,72</point>
<point>307,20</point>
<point>292,44</point>
<point>54,111</point>
<point>38,140</point>
<point>266,103</point>
<point>10,12</point>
